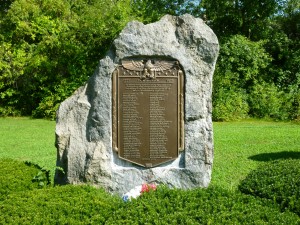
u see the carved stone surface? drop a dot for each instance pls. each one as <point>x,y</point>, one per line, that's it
<point>84,130</point>
<point>148,111</point>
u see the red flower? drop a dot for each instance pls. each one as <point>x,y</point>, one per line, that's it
<point>153,187</point>
<point>147,187</point>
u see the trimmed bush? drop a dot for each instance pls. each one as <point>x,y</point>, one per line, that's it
<point>20,176</point>
<point>59,205</point>
<point>200,206</point>
<point>277,180</point>
<point>23,202</point>
<point>86,205</point>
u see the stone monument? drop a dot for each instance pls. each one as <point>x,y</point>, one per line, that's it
<point>145,115</point>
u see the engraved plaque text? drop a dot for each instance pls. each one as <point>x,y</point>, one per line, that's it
<point>148,111</point>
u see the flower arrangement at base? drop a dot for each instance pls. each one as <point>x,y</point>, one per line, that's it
<point>148,187</point>
<point>138,190</point>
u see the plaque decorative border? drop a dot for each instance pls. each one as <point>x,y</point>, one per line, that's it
<point>148,110</point>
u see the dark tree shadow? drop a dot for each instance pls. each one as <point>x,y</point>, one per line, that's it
<point>275,155</point>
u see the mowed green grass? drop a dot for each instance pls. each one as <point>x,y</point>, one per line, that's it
<point>28,139</point>
<point>239,147</point>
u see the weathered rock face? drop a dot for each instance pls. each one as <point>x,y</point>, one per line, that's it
<point>84,120</point>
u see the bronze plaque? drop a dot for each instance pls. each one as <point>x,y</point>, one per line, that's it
<point>148,111</point>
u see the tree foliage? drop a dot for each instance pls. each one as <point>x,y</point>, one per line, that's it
<point>48,48</point>
<point>264,78</point>
<point>150,11</point>
<point>244,17</point>
<point>241,67</point>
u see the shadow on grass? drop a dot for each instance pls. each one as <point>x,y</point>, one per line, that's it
<point>275,155</point>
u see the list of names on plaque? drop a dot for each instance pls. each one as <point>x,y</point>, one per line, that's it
<point>147,106</point>
<point>158,125</point>
<point>131,126</point>
<point>143,118</point>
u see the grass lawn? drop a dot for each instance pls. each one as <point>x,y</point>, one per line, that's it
<point>28,139</point>
<point>239,146</point>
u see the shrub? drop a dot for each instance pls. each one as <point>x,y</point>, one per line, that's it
<point>241,64</point>
<point>26,204</point>
<point>18,176</point>
<point>229,105</point>
<point>199,206</point>
<point>277,180</point>
<point>293,100</point>
<point>9,111</point>
<point>266,100</point>
<point>59,205</point>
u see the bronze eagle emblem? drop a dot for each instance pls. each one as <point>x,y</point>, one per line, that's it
<point>147,67</point>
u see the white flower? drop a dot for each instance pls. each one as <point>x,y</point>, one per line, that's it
<point>133,193</point>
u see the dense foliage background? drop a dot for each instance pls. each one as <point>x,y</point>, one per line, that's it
<point>48,48</point>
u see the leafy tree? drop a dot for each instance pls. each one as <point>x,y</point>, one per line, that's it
<point>51,47</point>
<point>245,79</point>
<point>149,11</point>
<point>241,62</point>
<point>240,67</point>
<point>290,19</point>
<point>4,6</point>
<point>284,44</point>
<point>245,17</point>
<point>48,48</point>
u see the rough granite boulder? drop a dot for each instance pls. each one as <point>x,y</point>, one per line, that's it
<point>84,120</point>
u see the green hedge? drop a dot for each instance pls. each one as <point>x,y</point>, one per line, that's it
<point>87,205</point>
<point>59,205</point>
<point>20,176</point>
<point>24,202</point>
<point>200,206</point>
<point>277,180</point>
